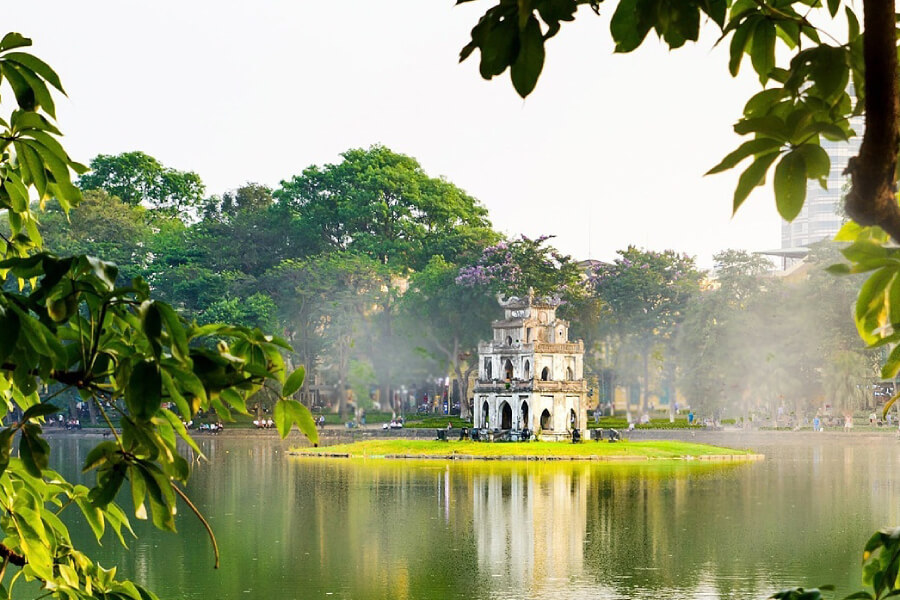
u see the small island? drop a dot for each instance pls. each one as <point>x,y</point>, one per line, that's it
<point>623,451</point>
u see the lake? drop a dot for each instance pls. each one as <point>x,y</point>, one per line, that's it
<point>292,527</point>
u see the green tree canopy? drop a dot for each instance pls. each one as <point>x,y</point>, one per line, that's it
<point>139,179</point>
<point>382,204</point>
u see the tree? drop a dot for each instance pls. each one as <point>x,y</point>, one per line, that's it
<point>513,267</point>
<point>448,318</point>
<point>646,294</point>
<point>323,302</point>
<point>64,322</point>
<point>805,99</point>
<point>382,204</point>
<point>101,225</point>
<point>139,179</point>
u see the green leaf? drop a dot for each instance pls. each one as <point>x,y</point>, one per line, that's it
<point>33,450</point>
<point>109,480</point>
<point>790,185</point>
<point>530,60</point>
<point>138,493</point>
<point>151,323</point>
<point>870,312</point>
<point>738,45</point>
<point>6,438</point>
<point>177,334</point>
<point>294,382</point>
<point>22,91</point>
<point>14,40</point>
<point>39,410</point>
<point>36,65</point>
<point>752,177</point>
<point>628,25</point>
<point>769,125</point>
<point>143,394</point>
<point>762,49</point>
<point>748,148</point>
<point>818,164</point>
<point>290,412</point>
<point>838,269</point>
<point>99,455</point>
<point>235,400</point>
<point>9,332</point>
<point>42,95</point>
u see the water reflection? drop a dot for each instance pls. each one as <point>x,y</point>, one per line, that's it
<point>306,528</point>
<point>530,526</point>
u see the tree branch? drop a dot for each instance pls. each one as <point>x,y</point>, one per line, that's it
<point>872,199</point>
<point>11,556</point>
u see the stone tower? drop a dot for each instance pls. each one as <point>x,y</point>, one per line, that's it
<point>530,376</point>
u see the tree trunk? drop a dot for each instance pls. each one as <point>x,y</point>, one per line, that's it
<point>872,199</point>
<point>646,383</point>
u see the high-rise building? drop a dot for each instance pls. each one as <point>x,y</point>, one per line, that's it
<point>821,216</point>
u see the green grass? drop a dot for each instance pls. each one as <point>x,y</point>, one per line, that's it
<point>647,449</point>
<point>437,422</point>
<point>661,423</point>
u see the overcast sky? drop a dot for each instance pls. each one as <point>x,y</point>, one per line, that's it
<point>610,150</point>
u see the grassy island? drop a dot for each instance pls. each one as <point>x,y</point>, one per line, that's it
<point>601,451</point>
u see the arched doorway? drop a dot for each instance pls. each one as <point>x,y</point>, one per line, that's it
<point>485,412</point>
<point>524,423</point>
<point>488,375</point>
<point>545,374</point>
<point>508,369</point>
<point>569,375</point>
<point>505,416</point>
<point>545,420</point>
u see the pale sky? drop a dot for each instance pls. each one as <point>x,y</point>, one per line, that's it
<point>610,150</point>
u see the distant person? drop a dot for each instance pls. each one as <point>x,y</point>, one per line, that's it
<point>691,417</point>
<point>848,422</point>
<point>816,423</point>
<point>449,425</point>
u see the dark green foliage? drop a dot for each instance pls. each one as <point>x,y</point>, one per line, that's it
<point>139,179</point>
<point>70,323</point>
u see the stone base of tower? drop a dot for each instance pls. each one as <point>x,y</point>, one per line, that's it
<point>549,415</point>
<point>555,436</point>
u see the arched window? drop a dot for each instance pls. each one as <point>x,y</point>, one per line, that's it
<point>524,415</point>
<point>569,375</point>
<point>508,369</point>
<point>527,370</point>
<point>487,369</point>
<point>545,374</point>
<point>509,340</point>
<point>546,421</point>
<point>528,335</point>
<point>485,412</point>
<point>505,416</point>
<point>573,420</point>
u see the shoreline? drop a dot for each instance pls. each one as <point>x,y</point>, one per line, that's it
<point>711,458</point>
<point>625,451</point>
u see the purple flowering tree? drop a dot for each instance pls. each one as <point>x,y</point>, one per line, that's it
<point>512,267</point>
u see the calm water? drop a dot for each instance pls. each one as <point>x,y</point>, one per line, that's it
<point>307,528</point>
